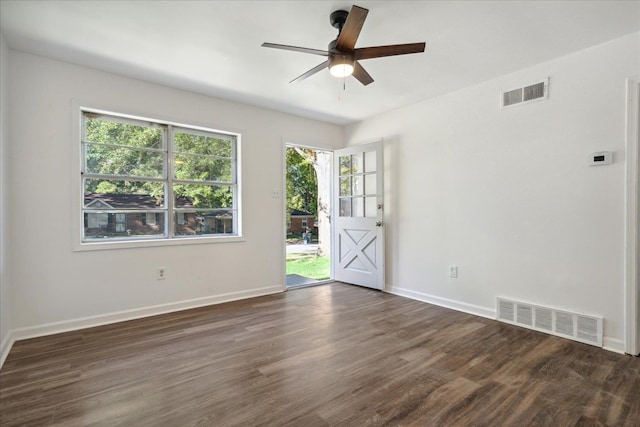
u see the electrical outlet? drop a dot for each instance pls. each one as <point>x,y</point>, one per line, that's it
<point>162,273</point>
<point>453,271</point>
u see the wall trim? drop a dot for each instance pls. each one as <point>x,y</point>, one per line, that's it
<point>613,344</point>
<point>489,313</point>
<point>136,313</point>
<point>632,244</point>
<point>5,347</point>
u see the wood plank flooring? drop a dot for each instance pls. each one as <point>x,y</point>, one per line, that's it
<point>331,355</point>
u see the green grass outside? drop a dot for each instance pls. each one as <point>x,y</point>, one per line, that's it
<point>318,268</point>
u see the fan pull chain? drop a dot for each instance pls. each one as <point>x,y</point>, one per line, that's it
<point>341,82</point>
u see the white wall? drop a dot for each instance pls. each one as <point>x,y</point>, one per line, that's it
<point>507,194</point>
<point>56,288</point>
<point>5,315</point>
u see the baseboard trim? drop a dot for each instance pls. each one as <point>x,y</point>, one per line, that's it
<point>138,313</point>
<point>476,310</point>
<point>613,344</point>
<point>5,347</point>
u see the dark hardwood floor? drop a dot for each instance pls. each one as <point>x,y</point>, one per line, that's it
<point>326,355</point>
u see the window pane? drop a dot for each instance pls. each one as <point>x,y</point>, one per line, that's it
<point>345,207</point>
<point>106,160</point>
<point>370,184</point>
<point>116,194</point>
<point>196,144</point>
<point>105,225</point>
<point>356,163</point>
<point>370,161</point>
<point>370,207</point>
<point>345,186</point>
<point>357,188</point>
<point>111,132</point>
<point>345,165</point>
<point>203,196</point>
<point>199,168</point>
<point>358,206</point>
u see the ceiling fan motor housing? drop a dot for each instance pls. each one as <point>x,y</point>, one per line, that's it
<point>338,18</point>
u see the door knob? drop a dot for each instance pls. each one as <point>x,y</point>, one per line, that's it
<point>378,223</point>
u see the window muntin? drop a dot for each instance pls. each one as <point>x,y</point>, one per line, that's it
<point>146,180</point>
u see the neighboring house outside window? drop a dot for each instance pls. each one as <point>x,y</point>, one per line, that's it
<point>300,221</point>
<point>148,180</point>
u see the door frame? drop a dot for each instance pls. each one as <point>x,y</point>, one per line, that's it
<point>283,208</point>
<point>632,234</point>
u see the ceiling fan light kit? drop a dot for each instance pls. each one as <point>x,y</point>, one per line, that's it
<point>341,65</point>
<point>342,56</point>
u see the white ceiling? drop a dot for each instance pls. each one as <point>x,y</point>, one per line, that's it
<point>213,47</point>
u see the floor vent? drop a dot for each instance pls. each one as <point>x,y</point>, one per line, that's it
<point>523,95</point>
<point>578,327</point>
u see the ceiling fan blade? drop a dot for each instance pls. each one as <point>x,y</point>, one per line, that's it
<point>351,30</point>
<point>311,72</point>
<point>297,49</point>
<point>361,74</point>
<point>391,50</point>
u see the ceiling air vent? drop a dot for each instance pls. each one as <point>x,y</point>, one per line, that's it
<point>526,94</point>
<point>578,327</point>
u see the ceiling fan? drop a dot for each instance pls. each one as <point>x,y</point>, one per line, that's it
<point>342,56</point>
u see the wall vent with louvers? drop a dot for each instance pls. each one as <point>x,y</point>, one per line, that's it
<point>575,326</point>
<point>523,95</point>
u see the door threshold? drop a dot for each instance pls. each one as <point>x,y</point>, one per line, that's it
<point>295,281</point>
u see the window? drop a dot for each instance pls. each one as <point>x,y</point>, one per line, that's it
<point>146,180</point>
<point>120,223</point>
<point>358,182</point>
<point>180,216</point>
<point>304,222</point>
<point>150,218</point>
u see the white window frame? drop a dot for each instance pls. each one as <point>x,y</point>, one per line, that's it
<point>169,239</point>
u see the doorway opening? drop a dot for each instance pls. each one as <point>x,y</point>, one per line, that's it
<point>308,213</point>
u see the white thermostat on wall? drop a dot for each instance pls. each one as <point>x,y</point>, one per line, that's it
<point>601,158</point>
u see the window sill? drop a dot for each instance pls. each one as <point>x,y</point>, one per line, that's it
<point>186,241</point>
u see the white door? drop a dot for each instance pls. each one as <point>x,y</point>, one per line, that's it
<point>358,215</point>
